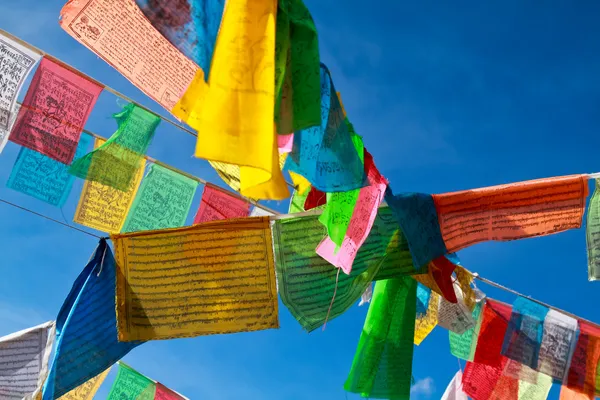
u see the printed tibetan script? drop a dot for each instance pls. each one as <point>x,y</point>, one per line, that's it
<point>216,277</point>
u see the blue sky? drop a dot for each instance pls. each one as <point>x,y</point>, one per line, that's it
<point>447,97</point>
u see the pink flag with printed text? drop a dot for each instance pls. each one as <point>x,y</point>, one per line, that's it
<point>365,211</point>
<point>216,204</point>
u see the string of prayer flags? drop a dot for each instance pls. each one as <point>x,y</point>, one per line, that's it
<point>307,282</point>
<point>425,323</point>
<point>86,327</point>
<point>514,211</point>
<point>216,204</point>
<point>163,201</point>
<point>455,317</point>
<point>463,345</point>
<point>325,154</point>
<point>54,111</point>
<point>418,219</point>
<point>189,25</point>
<point>16,62</point>
<point>216,277</point>
<point>340,205</point>
<point>120,34</point>
<point>363,216</point>
<point>234,113</point>
<point>42,177</point>
<point>454,389</point>
<point>115,163</point>
<point>523,337</point>
<point>105,208</point>
<point>584,362</point>
<point>558,345</point>
<point>297,76</point>
<point>592,233</point>
<point>382,366</point>
<point>130,384</point>
<point>87,390</point>
<point>24,361</point>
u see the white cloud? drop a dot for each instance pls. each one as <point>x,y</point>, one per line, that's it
<point>423,388</point>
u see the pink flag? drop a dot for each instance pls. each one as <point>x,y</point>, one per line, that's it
<point>365,211</point>
<point>216,204</point>
<point>164,393</point>
<point>54,111</point>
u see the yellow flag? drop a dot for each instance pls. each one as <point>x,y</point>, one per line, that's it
<point>234,113</point>
<point>424,324</point>
<point>300,182</point>
<point>215,277</point>
<point>87,390</point>
<point>103,207</point>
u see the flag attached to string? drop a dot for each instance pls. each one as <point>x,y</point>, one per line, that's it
<point>592,233</point>
<point>216,204</point>
<point>558,344</point>
<point>425,323</point>
<point>216,277</point>
<point>455,317</point>
<point>418,219</point>
<point>42,177</point>
<point>325,154</point>
<point>104,208</point>
<point>16,62</point>
<point>86,327</point>
<point>584,362</point>
<point>297,80</point>
<point>130,384</point>
<point>259,212</point>
<point>88,389</point>
<point>116,162</point>
<point>54,111</point>
<point>24,361</point>
<point>163,201</point>
<point>120,34</point>
<point>234,116</point>
<point>382,366</point>
<point>307,282</point>
<point>454,390</point>
<point>189,25</point>
<point>494,322</point>
<point>514,211</point>
<point>523,337</point>
<point>463,345</point>
<point>363,216</point>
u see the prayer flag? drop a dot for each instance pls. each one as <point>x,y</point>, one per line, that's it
<point>16,62</point>
<point>87,390</point>
<point>463,345</point>
<point>418,219</point>
<point>454,389</point>
<point>234,113</point>
<point>382,366</point>
<point>592,233</point>
<point>54,111</point>
<point>216,204</point>
<point>86,327</point>
<point>326,154</point>
<point>514,211</point>
<point>120,34</point>
<point>494,322</point>
<point>116,162</point>
<point>130,384</point>
<point>216,277</point>
<point>104,208</point>
<point>455,317</point>
<point>189,25</point>
<point>423,297</point>
<point>259,212</point>
<point>297,80</point>
<point>425,323</point>
<point>42,177</point>
<point>558,345</point>
<point>24,361</point>
<point>307,282</point>
<point>163,201</point>
<point>584,363</point>
<point>363,216</point>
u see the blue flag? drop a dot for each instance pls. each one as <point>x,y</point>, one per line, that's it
<point>86,328</point>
